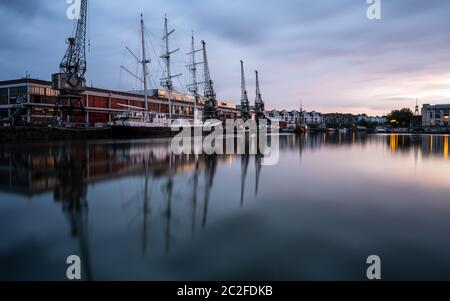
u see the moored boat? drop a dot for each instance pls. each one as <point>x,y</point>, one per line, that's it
<point>133,124</point>
<point>381,130</point>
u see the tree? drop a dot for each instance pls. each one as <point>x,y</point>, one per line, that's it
<point>401,117</point>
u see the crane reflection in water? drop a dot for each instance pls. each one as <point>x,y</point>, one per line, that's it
<point>70,166</point>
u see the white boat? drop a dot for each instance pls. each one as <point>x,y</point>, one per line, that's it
<point>343,131</point>
<point>361,128</point>
<point>381,130</point>
<point>141,119</point>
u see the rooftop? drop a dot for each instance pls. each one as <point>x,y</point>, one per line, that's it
<point>439,106</point>
<point>153,93</point>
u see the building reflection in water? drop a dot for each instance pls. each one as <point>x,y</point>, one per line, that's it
<point>393,142</point>
<point>69,169</point>
<point>446,147</point>
<point>429,146</point>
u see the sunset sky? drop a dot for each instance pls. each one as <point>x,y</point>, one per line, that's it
<point>326,52</point>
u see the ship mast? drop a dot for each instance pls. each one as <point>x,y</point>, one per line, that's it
<point>193,87</point>
<point>144,63</point>
<point>167,81</point>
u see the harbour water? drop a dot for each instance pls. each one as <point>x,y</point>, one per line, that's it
<point>133,211</point>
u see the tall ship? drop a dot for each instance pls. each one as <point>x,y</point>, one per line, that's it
<point>140,122</point>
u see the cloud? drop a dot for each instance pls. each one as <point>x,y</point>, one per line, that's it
<point>23,8</point>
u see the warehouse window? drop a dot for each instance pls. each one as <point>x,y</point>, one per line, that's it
<point>438,114</point>
<point>4,96</point>
<point>17,91</point>
<point>22,90</point>
<point>3,113</point>
<point>13,91</point>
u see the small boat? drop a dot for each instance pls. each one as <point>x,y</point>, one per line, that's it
<point>288,130</point>
<point>361,128</point>
<point>343,131</point>
<point>418,130</point>
<point>381,130</point>
<point>144,124</point>
<point>133,124</point>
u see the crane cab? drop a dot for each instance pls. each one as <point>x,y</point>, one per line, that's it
<point>68,82</point>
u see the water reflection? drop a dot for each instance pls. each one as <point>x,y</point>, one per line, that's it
<point>67,169</point>
<point>181,196</point>
<point>428,146</point>
<point>245,161</point>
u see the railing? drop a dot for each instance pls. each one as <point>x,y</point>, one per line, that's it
<point>21,101</point>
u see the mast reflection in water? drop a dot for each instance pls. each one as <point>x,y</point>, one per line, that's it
<point>134,211</point>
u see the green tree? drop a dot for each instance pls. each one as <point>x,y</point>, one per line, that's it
<point>401,117</point>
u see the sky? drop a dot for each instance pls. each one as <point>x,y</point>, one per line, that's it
<point>325,53</point>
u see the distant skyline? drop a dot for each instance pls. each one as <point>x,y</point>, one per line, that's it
<point>325,52</point>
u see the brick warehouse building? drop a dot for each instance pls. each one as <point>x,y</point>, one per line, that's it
<point>33,100</point>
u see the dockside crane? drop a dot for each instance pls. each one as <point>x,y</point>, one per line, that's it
<point>70,81</point>
<point>210,107</point>
<point>245,104</point>
<point>259,103</point>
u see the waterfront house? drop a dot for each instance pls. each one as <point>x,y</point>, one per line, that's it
<point>435,115</point>
<point>339,119</point>
<point>313,118</point>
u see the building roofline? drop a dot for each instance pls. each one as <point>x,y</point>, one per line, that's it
<point>437,106</point>
<point>26,80</point>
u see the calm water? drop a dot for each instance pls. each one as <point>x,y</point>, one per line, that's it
<point>132,211</point>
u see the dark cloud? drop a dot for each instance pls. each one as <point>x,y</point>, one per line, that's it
<point>25,8</point>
